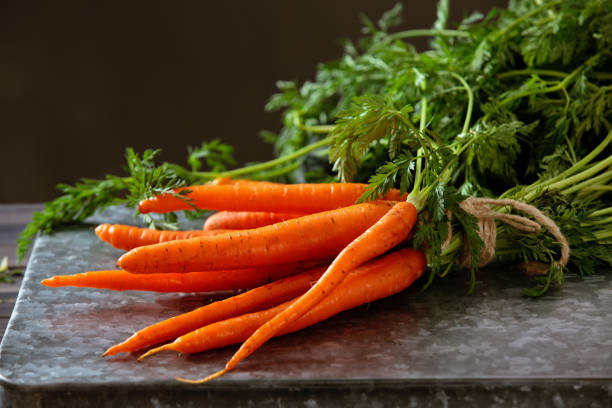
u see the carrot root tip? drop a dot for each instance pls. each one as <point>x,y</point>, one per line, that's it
<point>155,350</point>
<point>202,380</point>
<point>109,352</point>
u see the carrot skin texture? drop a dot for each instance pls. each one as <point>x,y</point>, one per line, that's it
<point>256,299</point>
<point>238,220</point>
<point>209,281</point>
<point>252,196</point>
<point>316,236</point>
<point>128,237</point>
<point>374,280</point>
<point>389,231</point>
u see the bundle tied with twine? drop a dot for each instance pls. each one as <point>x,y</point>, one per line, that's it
<point>485,216</point>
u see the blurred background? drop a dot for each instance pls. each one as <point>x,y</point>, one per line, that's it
<point>81,81</point>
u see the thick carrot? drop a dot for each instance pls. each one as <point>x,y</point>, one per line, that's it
<point>374,280</point>
<point>238,220</point>
<point>316,236</point>
<point>389,231</point>
<point>179,282</point>
<point>128,237</point>
<point>255,299</point>
<point>253,196</point>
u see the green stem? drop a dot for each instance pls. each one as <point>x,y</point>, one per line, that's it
<point>427,33</point>
<point>523,72</point>
<point>455,245</point>
<point>418,178</point>
<point>606,220</point>
<point>591,171</point>
<point>266,165</point>
<point>551,73</point>
<point>468,114</point>
<point>571,149</point>
<point>602,75</point>
<point>601,235</point>
<point>497,34</point>
<point>560,86</point>
<point>602,178</point>
<point>530,190</point>
<point>445,91</point>
<point>297,122</point>
<point>278,172</point>
<point>598,188</point>
<point>604,211</point>
<point>316,128</point>
<point>179,170</point>
<point>423,118</point>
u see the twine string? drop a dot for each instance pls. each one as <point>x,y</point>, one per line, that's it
<point>479,208</point>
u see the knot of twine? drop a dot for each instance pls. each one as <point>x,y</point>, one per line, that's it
<point>479,208</point>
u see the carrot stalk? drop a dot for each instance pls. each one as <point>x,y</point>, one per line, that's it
<point>228,180</point>
<point>209,281</point>
<point>252,196</point>
<point>237,220</point>
<point>128,237</point>
<point>389,231</point>
<point>316,236</point>
<point>374,280</point>
<point>256,299</point>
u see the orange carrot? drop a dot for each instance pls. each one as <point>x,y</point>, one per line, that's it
<point>128,237</point>
<point>179,282</point>
<point>374,280</point>
<point>253,196</point>
<point>316,236</point>
<point>389,231</point>
<point>255,299</point>
<point>237,220</point>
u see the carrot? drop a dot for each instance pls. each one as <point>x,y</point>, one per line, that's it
<point>128,237</point>
<point>389,231</point>
<point>245,219</point>
<point>178,282</point>
<point>255,299</point>
<point>254,196</point>
<point>316,236</point>
<point>374,280</point>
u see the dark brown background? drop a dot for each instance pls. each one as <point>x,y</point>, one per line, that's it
<point>80,81</point>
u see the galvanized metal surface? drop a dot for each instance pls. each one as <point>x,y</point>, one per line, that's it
<point>491,348</point>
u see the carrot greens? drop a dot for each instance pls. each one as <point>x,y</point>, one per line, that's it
<point>514,104</point>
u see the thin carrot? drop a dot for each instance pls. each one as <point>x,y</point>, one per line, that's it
<point>128,237</point>
<point>256,299</point>
<point>374,280</point>
<point>287,198</point>
<point>237,220</point>
<point>389,231</point>
<point>209,281</point>
<point>316,236</point>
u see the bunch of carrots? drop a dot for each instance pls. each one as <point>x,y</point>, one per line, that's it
<point>305,251</point>
<point>455,123</point>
